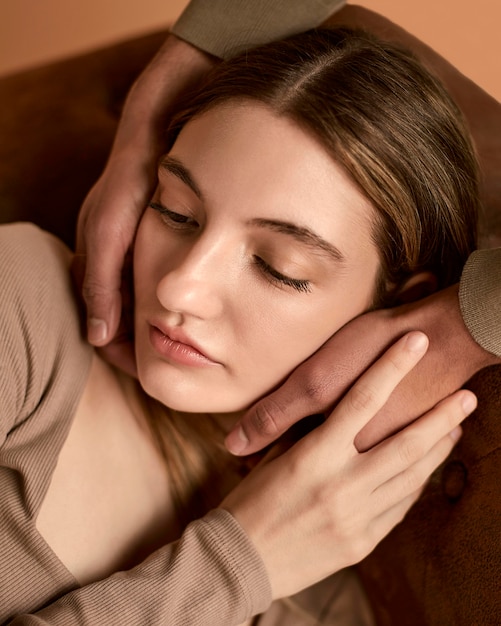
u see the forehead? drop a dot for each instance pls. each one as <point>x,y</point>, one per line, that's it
<point>248,160</point>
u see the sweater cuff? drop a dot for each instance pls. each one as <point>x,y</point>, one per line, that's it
<point>480,298</point>
<point>224,28</point>
<point>244,561</point>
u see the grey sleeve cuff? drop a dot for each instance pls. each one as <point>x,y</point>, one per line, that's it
<point>480,298</point>
<point>225,27</point>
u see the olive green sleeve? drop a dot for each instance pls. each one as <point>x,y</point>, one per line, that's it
<point>226,27</point>
<point>480,298</point>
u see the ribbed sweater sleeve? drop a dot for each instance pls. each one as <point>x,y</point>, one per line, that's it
<point>212,576</point>
<point>480,298</point>
<point>225,27</point>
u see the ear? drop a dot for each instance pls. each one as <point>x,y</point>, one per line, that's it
<point>416,287</point>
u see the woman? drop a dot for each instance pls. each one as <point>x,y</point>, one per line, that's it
<point>311,179</point>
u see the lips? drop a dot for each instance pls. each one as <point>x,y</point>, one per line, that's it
<point>174,345</point>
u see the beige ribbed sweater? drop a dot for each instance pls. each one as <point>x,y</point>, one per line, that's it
<point>225,27</point>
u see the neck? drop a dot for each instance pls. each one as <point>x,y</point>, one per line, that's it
<point>226,421</point>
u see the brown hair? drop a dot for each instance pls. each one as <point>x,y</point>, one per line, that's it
<point>400,138</point>
<point>388,122</point>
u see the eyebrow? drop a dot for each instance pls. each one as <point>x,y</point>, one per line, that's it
<point>302,234</point>
<point>175,167</point>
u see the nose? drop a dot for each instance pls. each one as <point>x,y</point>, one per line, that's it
<point>195,284</point>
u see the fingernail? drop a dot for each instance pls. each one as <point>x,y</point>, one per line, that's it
<point>236,442</point>
<point>416,342</point>
<point>468,402</point>
<point>97,331</point>
<point>456,433</point>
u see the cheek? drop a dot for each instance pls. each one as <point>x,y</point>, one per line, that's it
<point>283,331</point>
<point>278,338</point>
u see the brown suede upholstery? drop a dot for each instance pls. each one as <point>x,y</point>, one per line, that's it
<point>441,566</point>
<point>57,123</point>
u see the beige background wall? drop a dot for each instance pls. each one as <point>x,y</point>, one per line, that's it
<point>35,31</point>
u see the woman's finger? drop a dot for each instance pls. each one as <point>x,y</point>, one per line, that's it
<point>421,444</point>
<point>369,394</point>
<point>416,476</point>
<point>382,524</point>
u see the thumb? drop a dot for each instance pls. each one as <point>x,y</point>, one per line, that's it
<point>97,268</point>
<point>101,293</point>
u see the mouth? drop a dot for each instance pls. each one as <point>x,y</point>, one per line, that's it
<point>174,346</point>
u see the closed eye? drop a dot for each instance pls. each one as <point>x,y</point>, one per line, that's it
<point>174,219</point>
<point>301,285</point>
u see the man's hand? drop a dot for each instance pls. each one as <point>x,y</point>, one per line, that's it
<point>110,214</point>
<point>322,505</point>
<point>106,227</point>
<point>319,383</point>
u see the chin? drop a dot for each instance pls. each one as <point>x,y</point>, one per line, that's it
<point>190,397</point>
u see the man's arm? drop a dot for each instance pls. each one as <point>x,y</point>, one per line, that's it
<point>224,28</point>
<point>480,298</point>
<point>454,355</point>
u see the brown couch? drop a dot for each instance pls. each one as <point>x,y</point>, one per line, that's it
<point>442,565</point>
<point>56,126</point>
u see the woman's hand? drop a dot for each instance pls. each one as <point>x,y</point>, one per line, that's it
<point>322,505</point>
<point>110,214</point>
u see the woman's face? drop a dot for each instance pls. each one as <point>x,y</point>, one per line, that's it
<point>256,249</point>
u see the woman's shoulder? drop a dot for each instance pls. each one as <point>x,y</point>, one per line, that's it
<point>38,296</point>
<point>41,340</point>
<point>26,248</point>
<point>34,272</point>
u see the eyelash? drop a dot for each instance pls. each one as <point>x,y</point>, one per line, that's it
<point>175,220</point>
<point>180,221</point>
<point>303,286</point>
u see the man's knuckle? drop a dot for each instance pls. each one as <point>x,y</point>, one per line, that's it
<point>93,289</point>
<point>314,389</point>
<point>267,418</point>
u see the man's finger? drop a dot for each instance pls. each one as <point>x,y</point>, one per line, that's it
<point>101,292</point>
<point>272,416</point>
